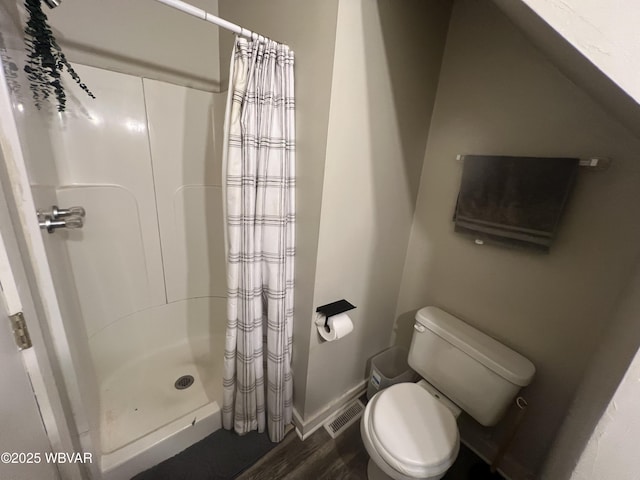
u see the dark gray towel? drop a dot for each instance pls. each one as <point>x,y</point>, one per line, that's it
<point>514,200</point>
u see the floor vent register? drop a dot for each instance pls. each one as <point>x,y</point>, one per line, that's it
<point>344,418</point>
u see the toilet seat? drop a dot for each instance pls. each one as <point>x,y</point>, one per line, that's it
<point>413,433</point>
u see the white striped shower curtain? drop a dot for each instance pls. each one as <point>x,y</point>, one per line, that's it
<point>259,190</point>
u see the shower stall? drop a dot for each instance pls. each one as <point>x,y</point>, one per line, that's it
<point>140,288</point>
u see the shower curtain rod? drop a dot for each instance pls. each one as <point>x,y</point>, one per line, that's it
<point>209,17</point>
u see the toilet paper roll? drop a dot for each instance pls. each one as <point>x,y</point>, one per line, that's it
<point>339,326</point>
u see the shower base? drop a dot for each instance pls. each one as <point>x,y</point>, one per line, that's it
<point>144,418</point>
<point>161,444</point>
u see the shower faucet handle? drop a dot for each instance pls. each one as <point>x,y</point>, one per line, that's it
<point>56,212</point>
<point>67,212</point>
<point>72,217</point>
<point>73,221</point>
<point>51,225</point>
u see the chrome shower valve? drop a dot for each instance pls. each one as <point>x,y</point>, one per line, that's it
<point>61,218</point>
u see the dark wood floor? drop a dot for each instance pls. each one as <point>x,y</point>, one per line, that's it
<point>318,457</point>
<point>345,458</point>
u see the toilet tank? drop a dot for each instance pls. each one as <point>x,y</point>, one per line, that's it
<point>481,375</point>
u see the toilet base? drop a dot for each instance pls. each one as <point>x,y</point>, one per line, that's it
<point>374,472</point>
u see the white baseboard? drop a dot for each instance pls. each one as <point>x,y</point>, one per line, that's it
<point>304,428</point>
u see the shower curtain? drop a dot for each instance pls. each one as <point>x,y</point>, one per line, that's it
<point>259,182</point>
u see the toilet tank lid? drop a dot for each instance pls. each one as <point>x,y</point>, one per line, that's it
<point>492,354</point>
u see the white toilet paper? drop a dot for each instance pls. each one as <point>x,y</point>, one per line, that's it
<point>339,326</point>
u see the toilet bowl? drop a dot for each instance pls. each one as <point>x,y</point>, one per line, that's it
<point>410,429</point>
<point>408,434</point>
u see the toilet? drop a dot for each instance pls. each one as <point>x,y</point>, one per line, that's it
<point>410,430</point>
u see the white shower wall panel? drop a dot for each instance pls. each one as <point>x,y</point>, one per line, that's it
<point>184,136</point>
<point>144,159</point>
<point>104,141</point>
<point>185,129</point>
<point>108,254</point>
<point>195,267</point>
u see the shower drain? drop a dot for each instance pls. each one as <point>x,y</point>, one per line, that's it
<point>183,382</point>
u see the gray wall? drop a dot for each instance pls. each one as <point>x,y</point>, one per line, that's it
<point>616,350</point>
<point>140,37</point>
<point>574,64</point>
<point>385,73</point>
<point>309,28</point>
<point>497,94</point>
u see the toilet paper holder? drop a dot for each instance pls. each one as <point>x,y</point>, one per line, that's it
<point>334,308</point>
